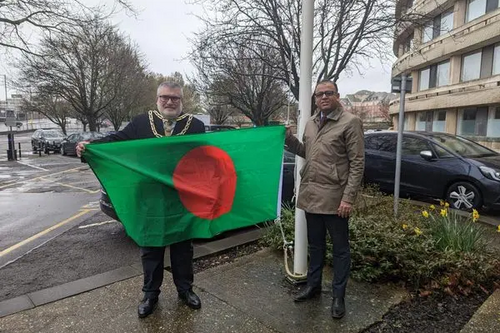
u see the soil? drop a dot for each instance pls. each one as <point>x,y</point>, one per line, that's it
<point>434,313</point>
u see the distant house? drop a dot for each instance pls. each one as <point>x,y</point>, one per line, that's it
<point>371,107</point>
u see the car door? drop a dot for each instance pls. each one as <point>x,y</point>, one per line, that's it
<point>380,159</point>
<point>426,177</point>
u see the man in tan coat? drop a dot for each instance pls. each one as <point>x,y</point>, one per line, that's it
<point>333,149</point>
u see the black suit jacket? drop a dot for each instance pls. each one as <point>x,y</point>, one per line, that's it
<point>140,128</point>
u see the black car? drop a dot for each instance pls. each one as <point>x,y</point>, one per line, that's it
<point>46,140</point>
<point>68,145</point>
<point>437,165</point>
<point>287,189</point>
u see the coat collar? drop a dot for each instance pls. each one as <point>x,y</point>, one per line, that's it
<point>334,115</point>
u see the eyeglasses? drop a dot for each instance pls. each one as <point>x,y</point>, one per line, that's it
<point>166,98</point>
<point>328,93</point>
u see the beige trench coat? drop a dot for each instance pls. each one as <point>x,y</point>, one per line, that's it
<point>334,161</point>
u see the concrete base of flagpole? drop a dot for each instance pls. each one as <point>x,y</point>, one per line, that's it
<point>295,282</point>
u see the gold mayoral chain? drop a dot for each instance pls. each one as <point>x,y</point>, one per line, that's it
<point>159,115</point>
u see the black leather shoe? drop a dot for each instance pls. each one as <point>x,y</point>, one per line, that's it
<point>308,293</point>
<point>190,299</point>
<point>147,306</point>
<point>338,307</point>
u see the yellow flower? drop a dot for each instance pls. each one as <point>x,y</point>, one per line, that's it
<point>432,207</point>
<point>441,203</point>
<point>498,228</point>
<point>475,215</point>
<point>444,212</point>
<point>405,226</point>
<point>446,204</point>
<point>417,231</point>
<point>425,214</point>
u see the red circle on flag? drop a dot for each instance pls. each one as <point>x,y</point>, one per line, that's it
<point>205,179</point>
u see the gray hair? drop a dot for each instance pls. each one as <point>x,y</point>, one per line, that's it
<point>171,85</point>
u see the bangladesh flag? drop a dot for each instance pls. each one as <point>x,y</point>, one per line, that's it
<point>169,189</point>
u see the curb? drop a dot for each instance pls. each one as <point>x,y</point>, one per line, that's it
<point>53,294</point>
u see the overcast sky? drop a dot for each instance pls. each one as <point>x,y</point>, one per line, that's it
<point>162,31</point>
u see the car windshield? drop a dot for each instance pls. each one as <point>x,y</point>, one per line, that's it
<point>462,146</point>
<point>51,134</point>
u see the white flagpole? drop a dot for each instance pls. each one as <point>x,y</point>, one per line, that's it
<point>305,93</point>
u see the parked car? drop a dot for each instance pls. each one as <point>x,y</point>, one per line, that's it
<point>46,140</point>
<point>437,165</point>
<point>287,188</point>
<point>216,128</point>
<point>68,145</point>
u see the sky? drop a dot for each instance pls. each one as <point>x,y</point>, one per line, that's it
<point>163,29</point>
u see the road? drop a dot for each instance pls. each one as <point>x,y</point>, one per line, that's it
<point>51,228</point>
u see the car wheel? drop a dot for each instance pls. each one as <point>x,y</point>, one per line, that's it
<point>464,196</point>
<point>63,152</point>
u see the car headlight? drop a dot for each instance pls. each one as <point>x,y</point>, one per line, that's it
<point>490,173</point>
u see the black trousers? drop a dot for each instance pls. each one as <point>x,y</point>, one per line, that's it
<point>181,259</point>
<point>338,228</point>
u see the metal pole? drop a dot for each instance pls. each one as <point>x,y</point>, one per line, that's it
<point>399,148</point>
<point>5,84</point>
<point>305,93</point>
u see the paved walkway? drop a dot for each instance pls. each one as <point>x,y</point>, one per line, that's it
<point>249,295</point>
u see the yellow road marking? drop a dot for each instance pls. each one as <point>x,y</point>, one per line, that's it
<point>41,177</point>
<point>44,232</point>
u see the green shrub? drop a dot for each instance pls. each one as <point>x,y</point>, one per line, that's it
<point>447,253</point>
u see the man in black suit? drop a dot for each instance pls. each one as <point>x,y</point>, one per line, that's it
<point>167,120</point>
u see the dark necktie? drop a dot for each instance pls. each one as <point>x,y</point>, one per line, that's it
<point>322,121</point>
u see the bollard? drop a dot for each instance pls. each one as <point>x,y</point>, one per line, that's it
<point>19,145</point>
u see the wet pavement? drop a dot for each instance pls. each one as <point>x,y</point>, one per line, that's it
<point>249,295</point>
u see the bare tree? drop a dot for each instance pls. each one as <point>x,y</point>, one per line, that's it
<point>83,68</point>
<point>21,20</point>
<point>233,75</point>
<point>347,34</point>
<point>131,88</point>
<point>51,106</point>
<point>219,114</point>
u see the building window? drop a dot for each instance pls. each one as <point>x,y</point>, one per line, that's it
<point>427,32</point>
<point>496,60</point>
<point>477,8</point>
<point>494,123</point>
<point>424,79</point>
<point>439,122</point>
<point>471,66</point>
<point>408,45</point>
<point>441,24</point>
<point>481,64</point>
<point>443,74</point>
<point>473,121</point>
<point>446,24</point>
<point>435,76</point>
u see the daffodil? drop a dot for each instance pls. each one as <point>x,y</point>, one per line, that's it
<point>498,228</point>
<point>446,204</point>
<point>441,203</point>
<point>475,215</point>
<point>432,207</point>
<point>425,214</point>
<point>417,231</point>
<point>405,226</point>
<point>444,212</point>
